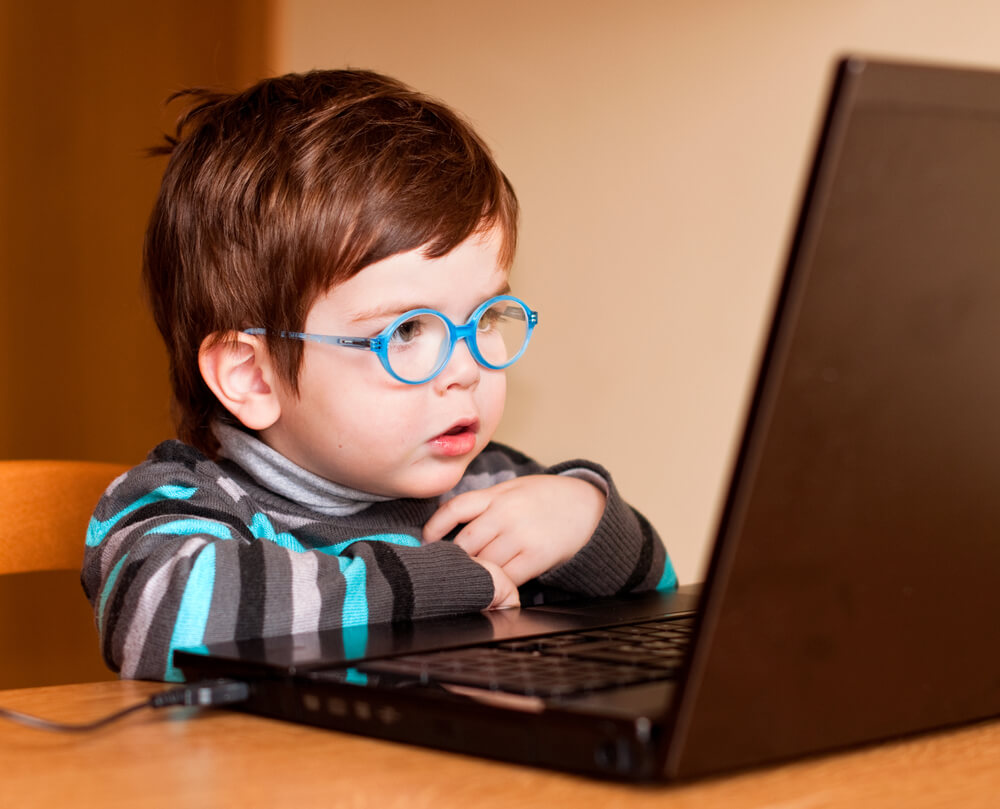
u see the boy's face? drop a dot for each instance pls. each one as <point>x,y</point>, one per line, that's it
<point>354,424</point>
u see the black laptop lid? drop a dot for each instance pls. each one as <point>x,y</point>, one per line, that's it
<point>853,593</point>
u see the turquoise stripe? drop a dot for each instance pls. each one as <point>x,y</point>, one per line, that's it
<point>355,646</point>
<point>261,528</point>
<point>355,637</point>
<point>192,617</point>
<point>192,527</point>
<point>109,585</point>
<point>355,677</point>
<point>393,539</point>
<point>355,574</point>
<point>668,581</point>
<point>98,530</point>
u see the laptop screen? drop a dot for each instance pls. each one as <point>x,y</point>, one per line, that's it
<point>853,592</point>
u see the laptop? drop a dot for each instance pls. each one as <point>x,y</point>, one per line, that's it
<point>852,594</point>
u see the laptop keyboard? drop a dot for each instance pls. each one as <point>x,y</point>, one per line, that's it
<point>554,665</point>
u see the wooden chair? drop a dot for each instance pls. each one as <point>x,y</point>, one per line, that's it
<point>47,633</point>
<point>45,507</point>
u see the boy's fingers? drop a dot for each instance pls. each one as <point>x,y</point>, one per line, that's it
<point>478,534</point>
<point>512,599</point>
<point>504,590</point>
<point>463,508</point>
<point>493,548</point>
<point>520,569</point>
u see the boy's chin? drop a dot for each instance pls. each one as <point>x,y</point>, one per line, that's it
<point>431,485</point>
<point>427,492</point>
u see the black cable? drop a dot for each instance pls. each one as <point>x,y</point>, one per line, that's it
<point>211,693</point>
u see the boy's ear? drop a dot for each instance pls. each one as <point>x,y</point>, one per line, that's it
<point>238,370</point>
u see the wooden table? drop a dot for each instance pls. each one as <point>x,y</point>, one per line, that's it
<point>174,758</point>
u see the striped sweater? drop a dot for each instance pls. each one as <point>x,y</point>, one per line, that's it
<point>185,551</point>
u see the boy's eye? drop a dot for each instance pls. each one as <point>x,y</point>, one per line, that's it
<point>490,318</point>
<point>499,316</point>
<point>407,331</point>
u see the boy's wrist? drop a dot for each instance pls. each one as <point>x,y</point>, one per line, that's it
<point>445,580</point>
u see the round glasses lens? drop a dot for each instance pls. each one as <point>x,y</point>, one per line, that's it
<point>501,332</point>
<point>417,347</point>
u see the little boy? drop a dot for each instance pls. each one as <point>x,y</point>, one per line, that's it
<point>328,264</point>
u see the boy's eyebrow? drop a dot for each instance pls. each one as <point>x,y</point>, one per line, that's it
<point>393,310</point>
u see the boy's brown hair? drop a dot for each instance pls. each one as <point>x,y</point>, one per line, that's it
<point>274,195</point>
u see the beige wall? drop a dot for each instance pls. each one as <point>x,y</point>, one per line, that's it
<point>657,147</point>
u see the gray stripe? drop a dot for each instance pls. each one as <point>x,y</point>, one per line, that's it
<point>590,476</point>
<point>132,533</point>
<point>656,568</point>
<point>332,587</point>
<point>115,483</point>
<point>232,488</point>
<point>151,597</point>
<point>277,590</point>
<point>283,521</point>
<point>226,592</point>
<point>306,598</point>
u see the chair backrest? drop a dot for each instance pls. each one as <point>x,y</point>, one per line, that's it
<point>45,507</point>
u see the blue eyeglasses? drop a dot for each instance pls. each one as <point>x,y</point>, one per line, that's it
<point>417,345</point>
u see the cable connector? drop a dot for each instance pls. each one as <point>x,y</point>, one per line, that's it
<point>203,695</point>
<point>211,693</point>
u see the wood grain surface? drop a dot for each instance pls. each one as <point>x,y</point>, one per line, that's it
<point>179,758</point>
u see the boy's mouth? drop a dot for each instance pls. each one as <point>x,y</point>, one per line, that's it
<point>460,428</point>
<point>459,439</point>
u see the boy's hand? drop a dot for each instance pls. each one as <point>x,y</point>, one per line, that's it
<point>525,526</point>
<point>504,590</point>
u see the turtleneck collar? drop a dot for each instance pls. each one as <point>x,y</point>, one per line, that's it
<point>274,471</point>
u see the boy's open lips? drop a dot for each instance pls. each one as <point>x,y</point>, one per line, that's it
<point>459,439</point>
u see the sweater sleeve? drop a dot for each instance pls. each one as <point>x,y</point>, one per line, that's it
<point>625,553</point>
<point>176,557</point>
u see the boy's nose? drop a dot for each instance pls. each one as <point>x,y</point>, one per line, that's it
<point>461,371</point>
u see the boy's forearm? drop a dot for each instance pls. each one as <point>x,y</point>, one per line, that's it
<point>197,590</point>
<point>625,554</point>
<point>184,568</point>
